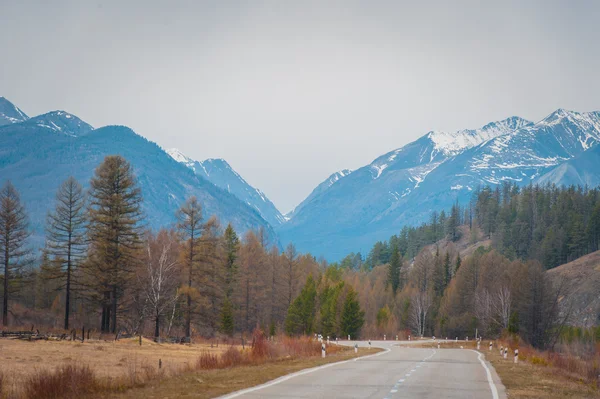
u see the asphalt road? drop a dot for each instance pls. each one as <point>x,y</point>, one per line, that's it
<point>398,372</point>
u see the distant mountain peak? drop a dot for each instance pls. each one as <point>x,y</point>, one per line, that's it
<point>62,122</point>
<point>452,143</point>
<point>10,113</point>
<point>220,173</point>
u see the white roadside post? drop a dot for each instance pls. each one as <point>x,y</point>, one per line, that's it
<point>323,350</point>
<point>478,343</point>
<point>456,340</point>
<point>501,350</point>
<point>506,353</point>
<point>384,337</point>
<point>409,337</point>
<point>396,338</point>
<point>355,348</point>
<point>467,338</point>
<point>328,340</point>
<point>348,337</point>
<point>369,344</point>
<point>490,346</point>
<point>516,356</point>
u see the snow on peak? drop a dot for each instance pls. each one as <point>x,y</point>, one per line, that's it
<point>452,143</point>
<point>181,158</point>
<point>338,175</point>
<point>10,113</point>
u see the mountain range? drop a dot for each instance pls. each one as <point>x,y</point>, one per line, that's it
<point>404,186</point>
<point>348,212</point>
<point>37,154</point>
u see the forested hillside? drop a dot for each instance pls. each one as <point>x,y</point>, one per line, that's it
<point>545,223</point>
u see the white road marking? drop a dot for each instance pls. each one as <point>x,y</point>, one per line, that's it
<point>296,374</point>
<point>489,375</point>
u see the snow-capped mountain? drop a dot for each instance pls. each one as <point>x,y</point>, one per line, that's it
<point>62,122</point>
<point>322,187</point>
<point>221,174</point>
<point>38,154</point>
<point>405,185</point>
<point>9,113</point>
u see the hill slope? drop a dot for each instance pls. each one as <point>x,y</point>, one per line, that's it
<point>582,287</point>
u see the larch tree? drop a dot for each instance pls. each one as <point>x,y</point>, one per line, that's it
<point>115,227</point>
<point>14,232</point>
<point>66,243</point>
<point>190,224</point>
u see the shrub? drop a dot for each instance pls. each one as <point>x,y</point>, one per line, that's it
<point>207,361</point>
<point>232,357</point>
<point>67,381</point>
<point>260,346</point>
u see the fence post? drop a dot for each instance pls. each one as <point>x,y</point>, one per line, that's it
<point>516,356</point>
<point>323,352</point>
<point>505,353</point>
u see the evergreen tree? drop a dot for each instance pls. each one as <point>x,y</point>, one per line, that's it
<point>301,314</point>
<point>189,218</point>
<point>458,263</point>
<point>394,270</point>
<point>115,218</point>
<point>66,236</point>
<point>227,323</point>
<point>232,244</point>
<point>447,270</point>
<point>352,317</point>
<point>13,236</point>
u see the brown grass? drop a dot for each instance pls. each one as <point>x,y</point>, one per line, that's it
<point>215,382</point>
<point>65,382</point>
<point>117,364</point>
<point>62,370</point>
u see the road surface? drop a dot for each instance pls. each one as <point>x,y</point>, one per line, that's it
<point>398,372</point>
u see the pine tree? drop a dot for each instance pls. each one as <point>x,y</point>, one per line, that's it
<point>66,236</point>
<point>447,270</point>
<point>458,263</point>
<point>232,244</point>
<point>13,236</point>
<point>301,314</point>
<point>114,232</point>
<point>352,317</point>
<point>189,218</point>
<point>394,270</point>
<point>227,323</point>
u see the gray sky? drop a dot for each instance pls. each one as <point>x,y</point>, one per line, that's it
<point>289,92</point>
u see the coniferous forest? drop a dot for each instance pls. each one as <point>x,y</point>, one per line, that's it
<point>102,268</point>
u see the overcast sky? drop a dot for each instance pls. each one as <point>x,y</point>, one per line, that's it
<point>289,92</point>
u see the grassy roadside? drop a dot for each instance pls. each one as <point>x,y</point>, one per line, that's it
<point>530,381</point>
<point>212,383</point>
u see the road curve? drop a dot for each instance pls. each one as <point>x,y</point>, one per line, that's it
<point>398,372</point>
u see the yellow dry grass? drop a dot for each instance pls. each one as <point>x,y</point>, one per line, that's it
<point>212,383</point>
<point>108,359</point>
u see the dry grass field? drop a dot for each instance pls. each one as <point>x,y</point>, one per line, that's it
<point>103,369</point>
<point>110,360</point>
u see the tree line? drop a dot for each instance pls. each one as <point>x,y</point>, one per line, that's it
<point>550,224</point>
<point>101,267</point>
